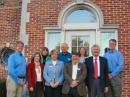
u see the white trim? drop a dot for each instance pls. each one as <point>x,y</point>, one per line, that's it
<point>49,31</point>
<point>110,31</point>
<point>74,6</point>
<point>24,19</point>
<point>80,26</point>
<point>69,35</point>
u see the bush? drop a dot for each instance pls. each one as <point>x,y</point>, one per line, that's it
<point>2,88</point>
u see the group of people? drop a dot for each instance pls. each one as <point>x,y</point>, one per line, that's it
<point>66,75</point>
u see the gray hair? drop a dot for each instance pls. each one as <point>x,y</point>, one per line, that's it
<point>53,51</point>
<point>64,44</point>
<point>95,46</point>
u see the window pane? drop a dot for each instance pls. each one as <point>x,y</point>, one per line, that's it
<point>80,41</point>
<point>74,41</point>
<point>105,37</point>
<point>81,16</point>
<point>53,41</point>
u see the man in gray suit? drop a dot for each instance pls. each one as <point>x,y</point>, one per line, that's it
<point>74,74</point>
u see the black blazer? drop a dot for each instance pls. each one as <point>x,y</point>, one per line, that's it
<point>103,72</point>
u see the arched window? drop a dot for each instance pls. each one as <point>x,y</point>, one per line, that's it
<point>81,16</point>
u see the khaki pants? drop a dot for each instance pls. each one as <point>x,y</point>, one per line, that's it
<point>13,90</point>
<point>115,87</point>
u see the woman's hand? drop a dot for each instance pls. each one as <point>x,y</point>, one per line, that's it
<point>31,89</point>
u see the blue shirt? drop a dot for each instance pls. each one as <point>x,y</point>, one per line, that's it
<point>115,61</point>
<point>65,57</point>
<point>53,72</point>
<point>17,66</point>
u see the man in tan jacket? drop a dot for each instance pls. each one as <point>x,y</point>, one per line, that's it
<point>74,74</point>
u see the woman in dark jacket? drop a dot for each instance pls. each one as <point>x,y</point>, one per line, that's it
<point>35,77</point>
<point>44,55</point>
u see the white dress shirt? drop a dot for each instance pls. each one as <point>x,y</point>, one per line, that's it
<point>98,62</point>
<point>74,71</point>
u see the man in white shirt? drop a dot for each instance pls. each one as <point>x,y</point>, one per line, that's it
<point>75,74</point>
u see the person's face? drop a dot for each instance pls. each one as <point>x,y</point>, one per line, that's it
<point>96,51</point>
<point>44,52</point>
<point>19,47</point>
<point>75,59</point>
<point>82,51</point>
<point>54,56</point>
<point>64,48</point>
<point>37,58</point>
<point>112,45</point>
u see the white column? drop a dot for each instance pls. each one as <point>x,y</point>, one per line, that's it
<point>24,19</point>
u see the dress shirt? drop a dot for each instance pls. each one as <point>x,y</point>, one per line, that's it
<point>115,61</point>
<point>74,71</point>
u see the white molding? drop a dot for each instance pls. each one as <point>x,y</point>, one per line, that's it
<point>74,6</point>
<point>48,31</point>
<point>24,19</point>
<point>69,35</point>
<point>80,26</point>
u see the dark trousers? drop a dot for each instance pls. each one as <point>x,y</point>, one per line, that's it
<point>38,90</point>
<point>95,90</point>
<point>53,92</point>
<point>72,93</point>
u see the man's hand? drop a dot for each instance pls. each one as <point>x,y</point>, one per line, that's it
<point>52,84</point>
<point>110,76</point>
<point>74,83</point>
<point>56,84</point>
<point>106,90</point>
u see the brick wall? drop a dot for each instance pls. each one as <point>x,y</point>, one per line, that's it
<point>45,13</point>
<point>10,15</point>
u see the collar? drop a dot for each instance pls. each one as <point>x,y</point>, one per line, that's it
<point>64,53</point>
<point>95,57</point>
<point>75,65</point>
<point>111,51</point>
<point>18,53</point>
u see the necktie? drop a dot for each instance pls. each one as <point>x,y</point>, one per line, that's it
<point>95,69</point>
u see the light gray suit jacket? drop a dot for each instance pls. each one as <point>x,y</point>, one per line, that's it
<point>81,75</point>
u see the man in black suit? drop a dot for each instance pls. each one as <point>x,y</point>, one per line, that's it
<point>97,73</point>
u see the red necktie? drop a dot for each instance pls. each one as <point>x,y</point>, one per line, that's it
<point>95,68</point>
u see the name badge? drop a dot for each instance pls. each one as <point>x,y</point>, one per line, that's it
<point>69,59</point>
<point>78,69</point>
<point>50,66</point>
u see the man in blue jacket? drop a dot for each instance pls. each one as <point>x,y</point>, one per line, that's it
<point>64,55</point>
<point>116,64</point>
<point>16,72</point>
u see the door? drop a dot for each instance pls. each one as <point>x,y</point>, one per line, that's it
<point>77,39</point>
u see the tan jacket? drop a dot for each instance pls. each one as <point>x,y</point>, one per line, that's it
<point>81,75</point>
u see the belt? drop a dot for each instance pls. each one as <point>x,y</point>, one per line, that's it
<point>21,77</point>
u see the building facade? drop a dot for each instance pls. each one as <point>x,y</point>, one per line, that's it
<point>48,23</point>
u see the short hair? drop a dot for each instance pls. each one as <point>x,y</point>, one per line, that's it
<point>95,46</point>
<point>113,40</point>
<point>53,51</point>
<point>45,48</point>
<point>19,42</point>
<point>64,43</point>
<point>76,54</point>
